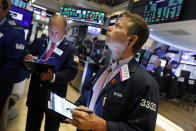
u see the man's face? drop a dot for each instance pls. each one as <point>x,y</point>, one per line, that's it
<point>3,13</point>
<point>56,30</point>
<point>117,38</point>
<point>118,32</point>
<point>157,63</point>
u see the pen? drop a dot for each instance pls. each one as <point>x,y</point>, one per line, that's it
<point>81,110</point>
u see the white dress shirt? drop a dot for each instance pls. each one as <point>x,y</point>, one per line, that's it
<point>48,48</point>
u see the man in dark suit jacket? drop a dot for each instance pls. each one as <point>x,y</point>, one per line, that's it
<point>62,57</point>
<point>157,73</point>
<point>128,99</point>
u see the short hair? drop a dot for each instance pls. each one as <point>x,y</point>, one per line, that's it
<point>59,16</point>
<point>6,4</point>
<point>138,27</point>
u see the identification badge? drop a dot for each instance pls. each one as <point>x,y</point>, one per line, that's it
<point>58,51</point>
<point>124,73</point>
<point>76,59</point>
<point>1,34</point>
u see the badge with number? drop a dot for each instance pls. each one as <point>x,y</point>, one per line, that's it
<point>58,51</point>
<point>124,73</point>
<point>1,34</point>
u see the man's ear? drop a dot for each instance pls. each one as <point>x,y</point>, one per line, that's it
<point>6,11</point>
<point>133,39</point>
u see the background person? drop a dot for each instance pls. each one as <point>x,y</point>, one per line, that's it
<point>157,69</point>
<point>157,73</point>
<point>11,55</point>
<point>21,76</point>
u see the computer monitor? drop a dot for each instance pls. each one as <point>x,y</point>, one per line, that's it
<point>163,63</point>
<point>188,57</point>
<point>93,30</point>
<point>75,31</point>
<point>150,67</point>
<point>21,16</point>
<point>185,74</point>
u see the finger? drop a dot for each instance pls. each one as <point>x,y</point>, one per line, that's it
<point>29,57</point>
<point>77,119</point>
<point>43,76</point>
<point>50,71</point>
<point>84,108</point>
<point>69,121</point>
<point>72,122</point>
<point>76,113</point>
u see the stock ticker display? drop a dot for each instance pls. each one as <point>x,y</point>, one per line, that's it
<point>19,3</point>
<point>160,11</point>
<point>83,15</point>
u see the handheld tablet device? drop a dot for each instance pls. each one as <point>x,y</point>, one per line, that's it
<point>60,106</point>
<point>39,67</point>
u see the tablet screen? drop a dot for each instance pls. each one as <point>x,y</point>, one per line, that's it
<point>61,105</point>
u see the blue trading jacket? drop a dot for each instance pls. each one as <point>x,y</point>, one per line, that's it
<point>22,73</point>
<point>11,55</point>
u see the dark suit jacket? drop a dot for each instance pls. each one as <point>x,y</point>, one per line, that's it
<point>129,105</point>
<point>65,71</point>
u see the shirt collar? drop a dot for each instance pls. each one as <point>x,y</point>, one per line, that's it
<point>121,62</point>
<point>3,21</point>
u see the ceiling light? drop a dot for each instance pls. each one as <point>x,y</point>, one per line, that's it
<point>32,1</point>
<point>151,29</point>
<point>39,7</point>
<point>69,21</point>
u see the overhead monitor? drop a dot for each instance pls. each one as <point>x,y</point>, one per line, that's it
<point>93,30</point>
<point>19,3</point>
<point>161,11</point>
<point>21,16</point>
<point>188,57</point>
<point>83,15</point>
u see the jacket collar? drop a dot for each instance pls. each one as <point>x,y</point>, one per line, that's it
<point>132,67</point>
<point>63,44</point>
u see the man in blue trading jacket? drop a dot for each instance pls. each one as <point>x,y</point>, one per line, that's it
<point>57,51</point>
<point>124,97</point>
<point>21,74</point>
<point>11,54</point>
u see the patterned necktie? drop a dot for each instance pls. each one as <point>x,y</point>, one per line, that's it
<point>99,86</point>
<point>49,53</point>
